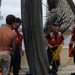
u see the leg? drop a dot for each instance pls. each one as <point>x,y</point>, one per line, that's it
<point>5,64</point>
<point>17,61</point>
<point>74,54</point>
<point>12,61</point>
<point>49,56</point>
<point>55,65</point>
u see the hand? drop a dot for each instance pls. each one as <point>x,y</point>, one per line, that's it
<point>22,52</point>
<point>50,46</point>
<point>12,53</point>
<point>72,42</point>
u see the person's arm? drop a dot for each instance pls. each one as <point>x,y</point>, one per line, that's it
<point>62,39</point>
<point>47,43</point>
<point>47,39</point>
<point>63,42</point>
<point>14,43</point>
<point>22,51</point>
<point>71,40</point>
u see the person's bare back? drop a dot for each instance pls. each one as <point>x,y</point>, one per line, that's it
<point>7,38</point>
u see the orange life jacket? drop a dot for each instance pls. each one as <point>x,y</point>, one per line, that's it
<point>19,39</point>
<point>54,41</point>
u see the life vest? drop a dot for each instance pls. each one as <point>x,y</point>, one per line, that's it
<point>54,41</point>
<point>73,29</point>
<point>19,38</point>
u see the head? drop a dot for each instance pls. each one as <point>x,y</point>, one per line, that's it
<point>10,19</point>
<point>55,27</point>
<point>17,23</point>
<point>49,30</point>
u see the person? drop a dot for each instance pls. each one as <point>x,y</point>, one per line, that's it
<point>7,44</point>
<point>53,40</point>
<point>49,30</point>
<point>72,42</point>
<point>16,57</point>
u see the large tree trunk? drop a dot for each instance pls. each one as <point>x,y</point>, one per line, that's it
<point>72,5</point>
<point>34,37</point>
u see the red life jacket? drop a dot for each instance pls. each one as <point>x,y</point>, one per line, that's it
<point>73,29</point>
<point>19,39</point>
<point>54,41</point>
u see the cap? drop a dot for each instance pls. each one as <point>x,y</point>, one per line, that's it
<point>18,20</point>
<point>55,24</point>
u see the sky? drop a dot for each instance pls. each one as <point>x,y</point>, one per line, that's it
<point>74,1</point>
<point>14,7</point>
<point>10,7</point>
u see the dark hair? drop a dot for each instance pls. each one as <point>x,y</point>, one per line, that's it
<point>10,19</point>
<point>18,20</point>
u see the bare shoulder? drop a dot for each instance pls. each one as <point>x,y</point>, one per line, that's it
<point>14,33</point>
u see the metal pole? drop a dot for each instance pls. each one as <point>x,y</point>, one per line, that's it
<point>31,11</point>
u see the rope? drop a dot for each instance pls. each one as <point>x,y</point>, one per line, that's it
<point>56,55</point>
<point>68,56</point>
<point>57,52</point>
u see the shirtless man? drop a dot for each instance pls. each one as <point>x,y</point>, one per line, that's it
<point>7,44</point>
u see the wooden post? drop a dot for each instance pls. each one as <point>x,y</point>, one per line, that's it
<point>31,11</point>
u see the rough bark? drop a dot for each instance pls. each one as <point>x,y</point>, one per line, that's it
<point>31,11</point>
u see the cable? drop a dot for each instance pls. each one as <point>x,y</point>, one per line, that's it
<point>44,5</point>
